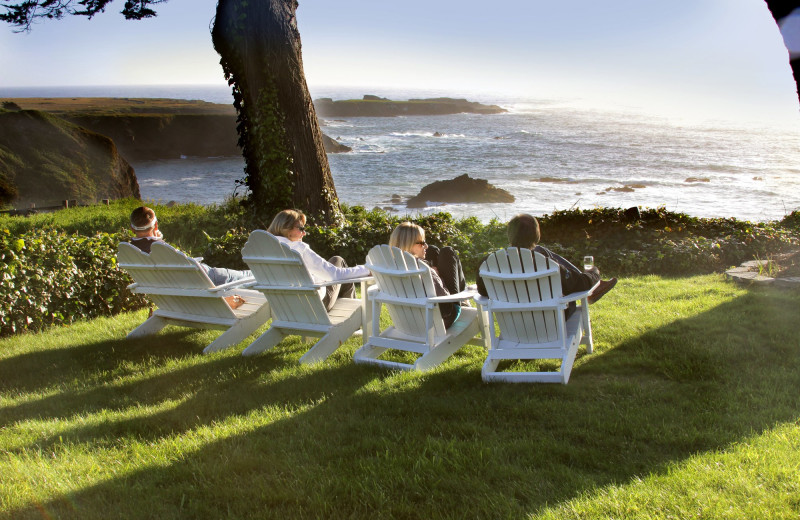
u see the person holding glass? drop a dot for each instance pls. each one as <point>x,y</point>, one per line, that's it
<point>523,232</point>
<point>446,271</point>
<point>289,227</point>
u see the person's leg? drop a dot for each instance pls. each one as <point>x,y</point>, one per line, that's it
<point>334,292</point>
<point>449,268</point>
<point>221,275</point>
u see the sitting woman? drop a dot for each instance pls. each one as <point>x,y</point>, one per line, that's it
<point>289,226</point>
<point>446,271</point>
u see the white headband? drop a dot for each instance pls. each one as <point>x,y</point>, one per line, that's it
<point>145,228</point>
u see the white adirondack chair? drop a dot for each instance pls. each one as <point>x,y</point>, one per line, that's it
<point>185,296</point>
<point>405,286</point>
<point>297,308</point>
<point>525,299</point>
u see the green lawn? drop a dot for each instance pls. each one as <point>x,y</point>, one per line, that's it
<point>689,408</point>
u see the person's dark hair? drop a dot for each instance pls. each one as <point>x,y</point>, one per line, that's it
<point>523,231</point>
<point>143,218</point>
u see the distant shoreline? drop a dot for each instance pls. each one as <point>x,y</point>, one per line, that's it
<point>369,106</point>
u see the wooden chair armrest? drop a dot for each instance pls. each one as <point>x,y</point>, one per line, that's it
<point>344,280</point>
<point>457,297</point>
<point>573,297</point>
<point>244,282</point>
<point>481,300</point>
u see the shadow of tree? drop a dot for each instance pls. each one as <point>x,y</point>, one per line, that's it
<point>358,442</point>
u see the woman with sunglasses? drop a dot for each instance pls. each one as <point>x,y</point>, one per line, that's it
<point>289,227</point>
<point>446,271</point>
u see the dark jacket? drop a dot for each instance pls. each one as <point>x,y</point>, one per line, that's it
<point>145,243</point>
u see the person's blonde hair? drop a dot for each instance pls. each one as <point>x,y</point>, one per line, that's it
<point>285,221</point>
<point>406,235</point>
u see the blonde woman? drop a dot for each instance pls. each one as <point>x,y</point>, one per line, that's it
<point>289,226</point>
<point>446,271</point>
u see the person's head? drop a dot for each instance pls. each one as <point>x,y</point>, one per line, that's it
<point>289,223</point>
<point>523,231</point>
<point>409,237</point>
<point>144,222</point>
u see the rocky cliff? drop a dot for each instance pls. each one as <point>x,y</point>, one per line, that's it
<point>45,160</point>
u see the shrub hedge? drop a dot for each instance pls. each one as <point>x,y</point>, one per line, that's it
<point>55,269</point>
<point>52,278</point>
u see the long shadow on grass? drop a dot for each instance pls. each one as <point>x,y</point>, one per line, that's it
<point>53,367</point>
<point>89,376</point>
<point>375,444</point>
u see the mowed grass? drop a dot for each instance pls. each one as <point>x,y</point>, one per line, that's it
<point>689,408</point>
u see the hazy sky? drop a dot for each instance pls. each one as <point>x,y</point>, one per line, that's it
<point>713,56</point>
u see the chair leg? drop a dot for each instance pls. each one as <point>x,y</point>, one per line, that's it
<point>587,327</point>
<point>264,342</point>
<point>240,330</point>
<point>328,344</point>
<point>368,353</point>
<point>447,348</point>
<point>152,325</point>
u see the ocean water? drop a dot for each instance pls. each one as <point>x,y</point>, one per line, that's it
<point>550,154</point>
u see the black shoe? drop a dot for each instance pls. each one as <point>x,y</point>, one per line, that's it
<point>602,289</point>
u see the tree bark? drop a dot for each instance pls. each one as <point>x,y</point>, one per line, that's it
<point>286,165</point>
<point>779,10</point>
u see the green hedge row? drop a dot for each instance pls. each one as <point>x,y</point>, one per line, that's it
<point>657,242</point>
<point>52,276</point>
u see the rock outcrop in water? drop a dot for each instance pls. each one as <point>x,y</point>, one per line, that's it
<point>461,189</point>
<point>373,106</point>
<point>45,160</point>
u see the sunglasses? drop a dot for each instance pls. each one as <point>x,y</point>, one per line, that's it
<point>422,243</point>
<point>301,228</point>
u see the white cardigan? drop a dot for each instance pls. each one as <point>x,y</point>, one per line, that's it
<point>320,269</point>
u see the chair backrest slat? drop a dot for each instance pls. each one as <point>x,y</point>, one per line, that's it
<point>167,268</point>
<point>408,319</point>
<point>534,279</point>
<point>276,265</point>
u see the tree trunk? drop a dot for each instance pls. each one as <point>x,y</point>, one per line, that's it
<point>780,10</point>
<point>285,162</point>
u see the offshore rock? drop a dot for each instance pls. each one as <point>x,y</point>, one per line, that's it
<point>333,146</point>
<point>461,189</point>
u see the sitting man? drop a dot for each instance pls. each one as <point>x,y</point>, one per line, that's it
<point>145,225</point>
<point>523,232</point>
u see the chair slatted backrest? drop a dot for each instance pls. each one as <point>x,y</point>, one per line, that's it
<point>401,275</point>
<point>521,276</point>
<point>173,281</point>
<point>284,279</point>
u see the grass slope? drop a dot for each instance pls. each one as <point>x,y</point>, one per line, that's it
<point>688,408</point>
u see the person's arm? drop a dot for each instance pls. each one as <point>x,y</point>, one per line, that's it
<point>326,271</point>
<point>572,279</point>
